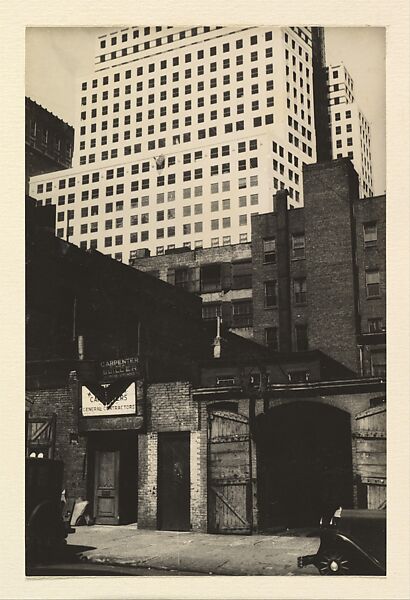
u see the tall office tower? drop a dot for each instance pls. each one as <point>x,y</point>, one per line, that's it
<point>182,135</point>
<point>350,130</point>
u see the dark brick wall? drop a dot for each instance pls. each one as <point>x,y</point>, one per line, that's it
<point>172,408</point>
<point>330,190</point>
<point>60,401</point>
<point>164,266</point>
<point>371,256</point>
<point>192,258</point>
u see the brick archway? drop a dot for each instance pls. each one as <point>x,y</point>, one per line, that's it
<point>304,463</point>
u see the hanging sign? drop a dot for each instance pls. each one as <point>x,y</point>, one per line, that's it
<point>124,367</point>
<point>100,404</point>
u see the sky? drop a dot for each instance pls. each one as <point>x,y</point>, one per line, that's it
<point>58,57</point>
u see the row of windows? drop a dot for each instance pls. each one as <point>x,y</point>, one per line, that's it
<point>144,236</point>
<point>212,82</point>
<point>145,167</point>
<point>161,215</point>
<point>271,292</point>
<point>124,37</point>
<point>145,185</point>
<point>176,92</point>
<point>153,43</point>
<point>184,138</point>
<point>170,231</point>
<point>172,37</point>
<point>299,286</point>
<point>347,115</point>
<point>150,114</point>
<point>298,243</point>
<point>187,193</point>
<point>213,99</point>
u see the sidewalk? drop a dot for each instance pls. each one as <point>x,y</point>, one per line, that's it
<point>195,552</point>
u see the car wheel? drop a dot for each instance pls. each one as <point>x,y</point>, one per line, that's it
<point>334,562</point>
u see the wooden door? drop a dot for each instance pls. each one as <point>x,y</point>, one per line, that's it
<point>107,463</point>
<point>229,474</point>
<point>173,481</point>
<point>370,437</point>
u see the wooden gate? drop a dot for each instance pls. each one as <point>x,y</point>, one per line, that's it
<point>371,455</point>
<point>229,474</point>
<point>41,434</point>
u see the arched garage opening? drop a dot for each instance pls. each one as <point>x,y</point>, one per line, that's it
<point>304,464</point>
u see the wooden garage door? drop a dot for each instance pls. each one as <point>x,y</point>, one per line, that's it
<point>229,474</point>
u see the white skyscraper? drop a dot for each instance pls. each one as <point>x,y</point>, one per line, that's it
<point>350,131</point>
<point>182,134</point>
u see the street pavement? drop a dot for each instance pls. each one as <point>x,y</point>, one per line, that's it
<point>126,546</point>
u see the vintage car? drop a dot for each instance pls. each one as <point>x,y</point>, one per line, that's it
<point>45,530</point>
<point>353,542</point>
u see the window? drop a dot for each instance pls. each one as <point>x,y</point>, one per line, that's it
<point>298,245</point>
<point>242,275</point>
<point>373,283</point>
<point>375,325</point>
<point>300,290</point>
<point>210,278</point>
<point>269,250</point>
<point>271,293</point>
<point>182,277</point>
<point>272,338</point>
<point>370,233</point>
<point>378,363</point>
<point>301,338</point>
<point>242,314</point>
<point>211,311</point>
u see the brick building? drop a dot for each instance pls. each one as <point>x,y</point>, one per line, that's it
<point>49,142</point>
<point>312,278</point>
<point>124,385</point>
<point>222,276</point>
<point>324,286</point>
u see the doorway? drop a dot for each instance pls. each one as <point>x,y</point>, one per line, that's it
<point>174,481</point>
<point>113,477</point>
<point>304,464</point>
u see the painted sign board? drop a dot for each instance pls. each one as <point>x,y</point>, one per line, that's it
<point>124,367</point>
<point>125,404</point>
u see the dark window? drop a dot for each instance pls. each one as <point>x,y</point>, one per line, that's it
<point>375,325</point>
<point>372,283</point>
<point>211,311</point>
<point>269,250</point>
<point>301,338</point>
<point>182,277</point>
<point>210,278</point>
<point>370,233</point>
<point>271,293</point>
<point>298,245</point>
<point>242,275</point>
<point>272,338</point>
<point>242,314</point>
<point>300,290</point>
<point>378,363</point>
